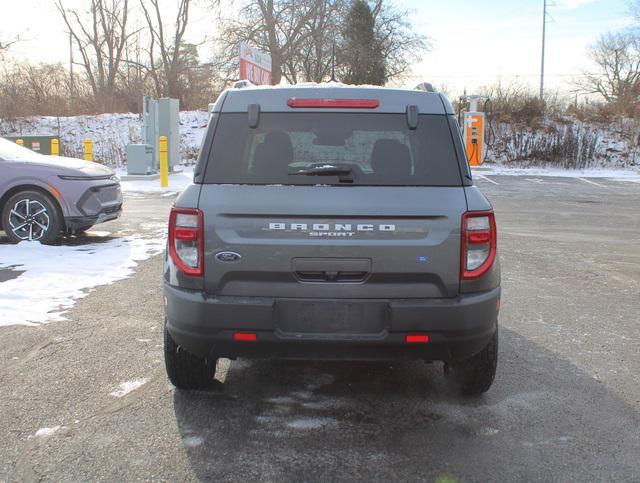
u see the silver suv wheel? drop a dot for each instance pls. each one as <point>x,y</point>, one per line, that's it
<point>29,219</point>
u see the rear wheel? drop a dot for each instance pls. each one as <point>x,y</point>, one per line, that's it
<point>31,216</point>
<point>475,375</point>
<point>186,370</point>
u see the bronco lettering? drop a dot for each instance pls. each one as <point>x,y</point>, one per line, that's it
<point>326,227</point>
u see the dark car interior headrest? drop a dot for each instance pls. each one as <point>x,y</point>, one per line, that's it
<point>390,160</point>
<point>273,155</point>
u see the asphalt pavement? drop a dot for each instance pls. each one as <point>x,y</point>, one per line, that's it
<point>565,405</point>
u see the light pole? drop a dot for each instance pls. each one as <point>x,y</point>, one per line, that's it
<point>544,33</point>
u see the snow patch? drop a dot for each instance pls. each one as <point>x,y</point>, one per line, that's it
<point>281,400</point>
<point>310,423</point>
<point>56,276</point>
<point>128,386</point>
<point>99,233</point>
<point>177,183</point>
<point>110,133</point>
<point>192,441</point>
<point>44,432</point>
<point>617,174</point>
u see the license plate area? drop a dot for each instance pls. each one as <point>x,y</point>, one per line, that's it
<point>329,318</point>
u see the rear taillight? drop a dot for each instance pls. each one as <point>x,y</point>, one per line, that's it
<point>186,241</point>
<point>478,244</point>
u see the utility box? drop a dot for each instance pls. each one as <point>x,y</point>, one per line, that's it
<point>39,144</point>
<point>139,159</point>
<point>149,124</point>
<point>169,125</point>
<point>160,117</point>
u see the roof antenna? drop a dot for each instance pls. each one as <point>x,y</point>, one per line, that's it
<point>333,63</point>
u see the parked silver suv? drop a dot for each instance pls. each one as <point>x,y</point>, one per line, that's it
<point>332,222</point>
<point>42,197</point>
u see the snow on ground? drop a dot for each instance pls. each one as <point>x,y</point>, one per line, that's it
<point>56,276</point>
<point>128,386</point>
<point>177,182</point>
<point>110,133</point>
<point>44,432</point>
<point>192,441</point>
<point>617,174</point>
<point>611,144</point>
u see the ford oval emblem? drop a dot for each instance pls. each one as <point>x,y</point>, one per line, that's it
<point>228,256</point>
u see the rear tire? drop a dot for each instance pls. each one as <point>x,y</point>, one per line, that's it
<point>186,370</point>
<point>475,375</point>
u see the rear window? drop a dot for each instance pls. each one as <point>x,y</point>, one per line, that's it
<point>367,149</point>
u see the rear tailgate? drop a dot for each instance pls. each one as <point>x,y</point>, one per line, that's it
<point>332,242</point>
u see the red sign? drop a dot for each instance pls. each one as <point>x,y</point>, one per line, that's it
<point>255,65</point>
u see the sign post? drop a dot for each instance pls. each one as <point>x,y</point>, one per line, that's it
<point>255,65</point>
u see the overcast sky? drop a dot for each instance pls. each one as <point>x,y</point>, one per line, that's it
<point>471,45</point>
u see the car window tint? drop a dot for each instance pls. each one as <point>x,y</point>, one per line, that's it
<point>378,148</point>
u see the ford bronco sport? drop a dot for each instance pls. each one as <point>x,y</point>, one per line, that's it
<point>332,222</point>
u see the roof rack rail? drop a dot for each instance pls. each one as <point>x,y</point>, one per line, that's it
<point>424,86</point>
<point>241,84</point>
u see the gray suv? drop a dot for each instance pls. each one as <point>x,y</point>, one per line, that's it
<point>332,222</point>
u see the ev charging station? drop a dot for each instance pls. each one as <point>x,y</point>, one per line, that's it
<point>473,131</point>
<point>474,123</point>
<point>160,117</point>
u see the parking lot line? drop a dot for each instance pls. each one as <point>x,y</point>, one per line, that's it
<point>592,182</point>
<point>487,179</point>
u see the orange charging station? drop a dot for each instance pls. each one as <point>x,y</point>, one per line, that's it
<point>474,137</point>
<point>474,132</point>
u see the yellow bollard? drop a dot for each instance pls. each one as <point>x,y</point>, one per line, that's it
<point>19,142</point>
<point>164,162</point>
<point>88,150</point>
<point>55,147</point>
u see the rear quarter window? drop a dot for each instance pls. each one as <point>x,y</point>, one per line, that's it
<point>379,149</point>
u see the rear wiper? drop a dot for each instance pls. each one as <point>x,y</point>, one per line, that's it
<point>326,170</point>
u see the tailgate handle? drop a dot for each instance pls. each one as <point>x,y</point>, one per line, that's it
<point>331,269</point>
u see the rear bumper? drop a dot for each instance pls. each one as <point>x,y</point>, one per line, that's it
<point>458,328</point>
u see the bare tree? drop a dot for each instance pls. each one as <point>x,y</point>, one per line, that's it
<point>312,62</point>
<point>275,26</point>
<point>5,44</point>
<point>617,59</point>
<point>400,43</point>
<point>101,38</point>
<point>169,55</point>
<point>30,89</point>
<point>299,35</point>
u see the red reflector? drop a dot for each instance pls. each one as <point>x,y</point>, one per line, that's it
<point>245,336</point>
<point>188,234</point>
<point>479,237</point>
<point>335,103</point>
<point>417,338</point>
